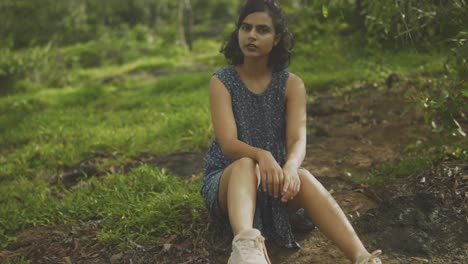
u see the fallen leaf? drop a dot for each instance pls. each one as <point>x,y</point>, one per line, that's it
<point>116,258</point>
<point>167,247</point>
<point>169,239</point>
<point>205,252</point>
<point>76,247</point>
<point>356,207</point>
<point>67,260</point>
<point>420,259</point>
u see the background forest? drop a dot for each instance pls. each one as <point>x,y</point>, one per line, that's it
<point>94,93</point>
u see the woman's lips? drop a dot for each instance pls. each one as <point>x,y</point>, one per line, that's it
<point>251,46</point>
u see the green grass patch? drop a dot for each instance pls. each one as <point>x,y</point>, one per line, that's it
<point>45,130</point>
<point>416,158</point>
<point>136,208</point>
<point>333,62</point>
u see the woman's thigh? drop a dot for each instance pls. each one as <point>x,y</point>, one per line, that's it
<point>242,169</point>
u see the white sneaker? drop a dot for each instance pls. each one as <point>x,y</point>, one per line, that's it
<point>373,258</point>
<point>248,247</point>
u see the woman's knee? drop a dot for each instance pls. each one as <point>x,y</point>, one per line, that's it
<point>308,180</point>
<point>305,175</point>
<point>244,169</point>
<point>244,165</point>
<point>245,161</point>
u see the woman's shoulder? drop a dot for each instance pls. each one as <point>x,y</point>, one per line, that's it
<point>225,76</point>
<point>294,78</point>
<point>294,83</point>
<point>224,71</point>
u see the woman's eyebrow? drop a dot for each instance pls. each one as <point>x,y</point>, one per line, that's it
<point>258,25</point>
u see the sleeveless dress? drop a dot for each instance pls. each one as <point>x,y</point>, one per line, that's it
<point>261,122</point>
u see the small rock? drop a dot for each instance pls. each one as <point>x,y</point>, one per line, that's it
<point>167,247</point>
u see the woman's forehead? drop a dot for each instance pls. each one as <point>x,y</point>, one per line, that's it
<point>258,18</point>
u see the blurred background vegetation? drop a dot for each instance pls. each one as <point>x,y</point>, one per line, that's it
<point>80,78</point>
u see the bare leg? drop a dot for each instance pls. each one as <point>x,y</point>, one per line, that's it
<point>326,214</point>
<point>238,193</point>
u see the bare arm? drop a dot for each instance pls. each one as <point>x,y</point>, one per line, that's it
<point>225,125</point>
<point>296,119</point>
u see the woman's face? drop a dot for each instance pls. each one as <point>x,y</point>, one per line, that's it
<point>257,35</point>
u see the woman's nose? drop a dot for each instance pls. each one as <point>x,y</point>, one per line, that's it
<point>252,33</point>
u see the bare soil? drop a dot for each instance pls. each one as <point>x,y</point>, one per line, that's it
<point>422,218</point>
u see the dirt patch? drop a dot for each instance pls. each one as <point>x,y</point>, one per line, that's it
<point>354,132</point>
<point>424,214</point>
<point>180,164</point>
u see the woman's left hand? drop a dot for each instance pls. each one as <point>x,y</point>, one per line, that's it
<point>292,183</point>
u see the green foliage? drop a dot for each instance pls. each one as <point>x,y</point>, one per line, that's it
<point>135,208</point>
<point>420,23</point>
<point>36,65</point>
<point>444,100</point>
<point>113,48</point>
<point>16,260</point>
<point>15,66</point>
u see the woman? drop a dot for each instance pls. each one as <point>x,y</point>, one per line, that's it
<point>253,175</point>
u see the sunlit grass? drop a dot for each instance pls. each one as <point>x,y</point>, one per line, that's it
<point>52,128</point>
<point>331,62</point>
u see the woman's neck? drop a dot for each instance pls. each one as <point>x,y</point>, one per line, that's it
<point>254,68</point>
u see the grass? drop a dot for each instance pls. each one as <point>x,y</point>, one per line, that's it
<point>51,128</point>
<point>134,208</point>
<point>45,130</point>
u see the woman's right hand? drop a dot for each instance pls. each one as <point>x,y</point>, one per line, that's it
<point>271,173</point>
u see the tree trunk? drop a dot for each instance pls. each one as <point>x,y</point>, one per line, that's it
<point>188,23</point>
<point>152,15</point>
<point>181,23</point>
<point>359,16</point>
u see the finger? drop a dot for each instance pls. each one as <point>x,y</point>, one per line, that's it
<point>281,182</point>
<point>297,189</point>
<point>287,181</point>
<point>276,185</point>
<point>270,184</point>
<point>291,193</point>
<point>264,181</point>
<point>286,196</point>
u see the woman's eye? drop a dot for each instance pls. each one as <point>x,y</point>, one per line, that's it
<point>245,27</point>
<point>263,30</point>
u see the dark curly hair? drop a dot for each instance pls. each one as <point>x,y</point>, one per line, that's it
<point>280,55</point>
